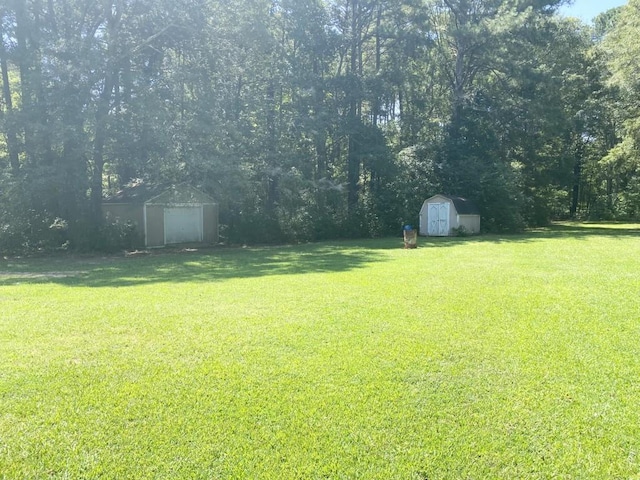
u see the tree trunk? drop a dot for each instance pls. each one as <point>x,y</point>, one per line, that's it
<point>102,114</point>
<point>10,132</point>
<point>353,160</point>
<point>24,67</point>
<point>577,174</point>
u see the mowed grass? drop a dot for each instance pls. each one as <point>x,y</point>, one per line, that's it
<point>488,357</point>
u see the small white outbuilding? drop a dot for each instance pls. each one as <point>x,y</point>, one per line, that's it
<point>443,215</point>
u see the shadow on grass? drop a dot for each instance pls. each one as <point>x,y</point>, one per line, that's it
<point>586,229</point>
<point>197,265</point>
<point>219,264</point>
<point>573,230</point>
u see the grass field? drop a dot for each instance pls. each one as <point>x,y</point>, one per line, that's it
<point>472,358</point>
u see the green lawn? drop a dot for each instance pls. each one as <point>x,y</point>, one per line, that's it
<point>489,357</point>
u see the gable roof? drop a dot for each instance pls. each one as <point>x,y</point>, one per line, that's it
<point>141,192</point>
<point>135,192</point>
<point>464,206</point>
<point>181,193</point>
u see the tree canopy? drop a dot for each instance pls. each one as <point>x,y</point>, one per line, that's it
<point>311,119</point>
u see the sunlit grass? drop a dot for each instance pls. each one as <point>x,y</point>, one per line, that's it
<point>489,357</point>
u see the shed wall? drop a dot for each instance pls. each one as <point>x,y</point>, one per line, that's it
<point>123,213</point>
<point>424,214</point>
<point>471,223</point>
<point>155,225</point>
<point>453,216</point>
<point>210,217</point>
<point>453,213</point>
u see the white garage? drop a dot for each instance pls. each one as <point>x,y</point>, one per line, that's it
<point>444,215</point>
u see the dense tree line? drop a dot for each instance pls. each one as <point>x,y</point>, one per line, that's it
<point>310,119</point>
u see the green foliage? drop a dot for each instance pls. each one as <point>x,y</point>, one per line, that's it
<point>307,119</point>
<point>118,237</point>
<point>417,179</point>
<point>29,218</point>
<point>460,231</point>
<point>31,231</point>
<point>615,178</point>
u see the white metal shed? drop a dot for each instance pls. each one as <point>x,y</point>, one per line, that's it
<point>442,215</point>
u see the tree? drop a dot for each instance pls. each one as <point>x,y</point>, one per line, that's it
<point>312,119</point>
<point>621,164</point>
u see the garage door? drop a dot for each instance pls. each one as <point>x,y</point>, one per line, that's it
<point>183,224</point>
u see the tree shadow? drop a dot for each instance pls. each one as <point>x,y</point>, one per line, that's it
<point>574,230</point>
<point>193,265</point>
<point>588,229</point>
<point>220,264</point>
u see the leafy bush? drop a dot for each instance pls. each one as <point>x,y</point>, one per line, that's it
<point>460,231</point>
<point>117,236</point>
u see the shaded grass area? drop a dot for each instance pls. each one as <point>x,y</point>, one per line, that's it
<point>488,357</point>
<point>205,265</point>
<point>194,265</point>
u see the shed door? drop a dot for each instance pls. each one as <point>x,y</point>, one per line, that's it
<point>183,224</point>
<point>438,219</point>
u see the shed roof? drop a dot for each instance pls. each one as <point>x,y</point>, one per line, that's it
<point>135,192</point>
<point>141,192</point>
<point>181,193</point>
<point>464,206</point>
